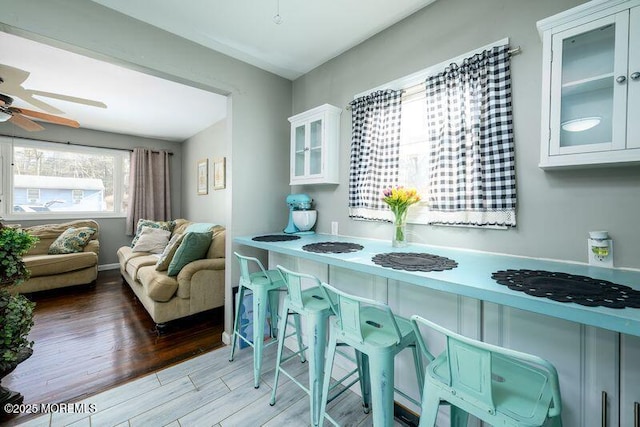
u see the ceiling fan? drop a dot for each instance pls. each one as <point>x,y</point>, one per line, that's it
<point>20,116</point>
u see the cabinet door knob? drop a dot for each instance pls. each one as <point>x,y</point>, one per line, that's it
<point>604,409</point>
<point>621,79</point>
<point>635,76</point>
<point>636,414</point>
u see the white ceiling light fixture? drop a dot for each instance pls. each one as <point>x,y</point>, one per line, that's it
<point>581,124</point>
<point>277,19</point>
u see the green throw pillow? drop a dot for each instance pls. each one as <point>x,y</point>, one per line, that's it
<point>194,246</point>
<point>164,225</point>
<point>169,251</point>
<point>71,240</point>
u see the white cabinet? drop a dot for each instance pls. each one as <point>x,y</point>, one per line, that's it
<point>591,85</point>
<point>314,146</point>
<point>630,381</point>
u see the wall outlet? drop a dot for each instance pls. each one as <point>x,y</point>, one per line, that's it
<point>600,252</point>
<point>334,228</point>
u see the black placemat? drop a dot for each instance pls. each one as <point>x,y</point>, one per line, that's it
<point>332,247</point>
<point>565,287</point>
<point>275,238</point>
<point>413,261</point>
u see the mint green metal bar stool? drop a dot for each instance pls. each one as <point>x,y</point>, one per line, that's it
<point>265,286</point>
<point>377,335</point>
<point>498,385</point>
<point>315,307</point>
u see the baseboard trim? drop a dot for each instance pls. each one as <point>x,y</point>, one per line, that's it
<point>104,267</point>
<point>226,338</point>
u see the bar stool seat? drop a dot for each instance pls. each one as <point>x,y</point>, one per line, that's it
<point>498,385</point>
<point>314,307</point>
<point>377,335</point>
<point>265,286</point>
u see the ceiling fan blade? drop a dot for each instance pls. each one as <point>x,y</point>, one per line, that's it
<point>47,117</point>
<point>84,101</point>
<point>25,123</point>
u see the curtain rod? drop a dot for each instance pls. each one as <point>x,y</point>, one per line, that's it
<point>515,51</point>
<point>73,143</point>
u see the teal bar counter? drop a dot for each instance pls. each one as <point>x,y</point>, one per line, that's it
<point>472,277</point>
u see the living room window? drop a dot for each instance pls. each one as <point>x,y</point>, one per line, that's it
<point>51,179</point>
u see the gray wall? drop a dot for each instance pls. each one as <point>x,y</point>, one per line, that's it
<point>258,107</point>
<point>208,144</point>
<point>112,230</point>
<point>556,209</point>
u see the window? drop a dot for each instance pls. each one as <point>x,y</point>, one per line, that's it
<point>455,143</point>
<point>53,179</point>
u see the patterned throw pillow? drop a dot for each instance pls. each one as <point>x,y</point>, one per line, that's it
<point>71,240</point>
<point>165,225</point>
<point>169,251</point>
<point>194,246</point>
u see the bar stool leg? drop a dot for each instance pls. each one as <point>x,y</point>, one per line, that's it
<point>328,367</point>
<point>362,361</point>
<point>317,338</point>
<point>274,303</point>
<point>282,330</point>
<point>429,410</point>
<point>236,321</point>
<point>259,317</point>
<point>381,369</point>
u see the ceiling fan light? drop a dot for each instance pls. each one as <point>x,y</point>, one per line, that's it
<point>581,124</point>
<point>4,116</point>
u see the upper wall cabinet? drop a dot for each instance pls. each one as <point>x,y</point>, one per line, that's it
<point>314,146</point>
<point>591,85</point>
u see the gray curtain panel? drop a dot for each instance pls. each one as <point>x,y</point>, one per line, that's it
<point>470,125</point>
<point>375,152</point>
<point>149,187</point>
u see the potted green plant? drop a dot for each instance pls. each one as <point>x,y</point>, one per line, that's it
<point>16,311</point>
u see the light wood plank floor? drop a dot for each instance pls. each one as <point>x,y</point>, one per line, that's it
<point>207,390</point>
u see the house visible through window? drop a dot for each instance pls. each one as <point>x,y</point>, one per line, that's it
<point>48,178</point>
<point>77,196</point>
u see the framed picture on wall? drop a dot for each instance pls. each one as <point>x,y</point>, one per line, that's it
<point>219,173</point>
<point>203,176</point>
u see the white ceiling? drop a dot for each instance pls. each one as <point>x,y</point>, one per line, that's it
<point>310,34</point>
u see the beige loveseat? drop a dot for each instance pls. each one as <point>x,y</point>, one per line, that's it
<point>198,286</point>
<point>60,270</point>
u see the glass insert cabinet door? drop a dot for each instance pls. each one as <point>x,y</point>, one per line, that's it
<point>588,86</point>
<point>299,150</point>
<point>308,143</point>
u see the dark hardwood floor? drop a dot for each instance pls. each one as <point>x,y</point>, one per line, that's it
<point>90,338</point>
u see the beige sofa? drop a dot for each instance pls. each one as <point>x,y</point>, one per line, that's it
<point>57,271</point>
<point>199,285</point>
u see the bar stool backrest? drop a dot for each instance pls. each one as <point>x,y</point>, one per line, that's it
<point>294,281</point>
<point>470,366</point>
<point>348,307</point>
<point>245,270</point>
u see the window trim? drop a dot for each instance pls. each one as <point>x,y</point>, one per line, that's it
<point>6,179</point>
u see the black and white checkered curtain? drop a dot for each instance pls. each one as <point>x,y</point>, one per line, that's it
<point>472,174</point>
<point>375,152</point>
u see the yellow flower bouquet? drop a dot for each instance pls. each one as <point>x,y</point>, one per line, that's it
<point>399,199</point>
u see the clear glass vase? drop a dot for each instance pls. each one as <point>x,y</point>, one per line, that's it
<point>400,230</point>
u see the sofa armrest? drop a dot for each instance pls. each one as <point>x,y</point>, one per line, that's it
<point>202,264</point>
<point>92,246</point>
